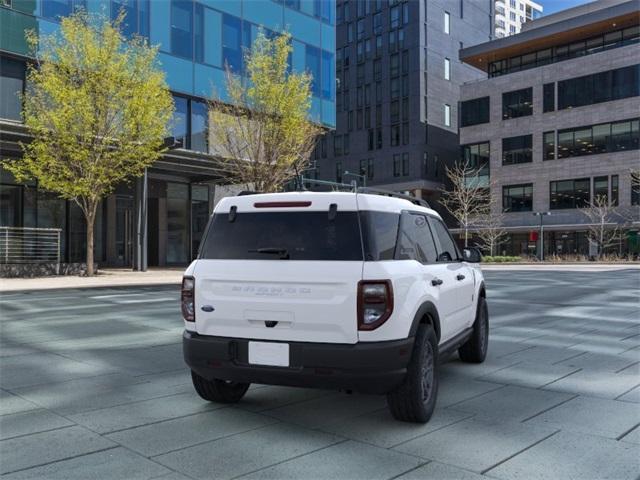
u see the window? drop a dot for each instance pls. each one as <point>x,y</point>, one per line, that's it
<point>635,190</point>
<point>570,193</point>
<point>447,22</point>
<point>615,191</point>
<point>182,28</point>
<point>378,51</point>
<point>549,145</point>
<point>198,130</point>
<point>370,139</point>
<point>599,43</point>
<point>360,29</point>
<point>180,121</point>
<point>517,198</point>
<point>312,59</point>
<point>405,164</point>
<point>394,17</point>
<point>602,138</point>
<point>476,156</point>
<point>549,97</point>
<point>447,69</point>
<point>395,135</point>
<point>378,139</point>
<point>396,165</point>
<point>377,70</point>
<point>395,88</point>
<point>345,143</point>
<point>600,87</point>
<point>379,232</point>
<point>327,85</point>
<point>12,78</point>
<point>516,150</point>
<point>136,18</point>
<point>601,188</point>
<point>54,9</point>
<point>415,241</point>
<point>474,112</point>
<point>394,65</point>
<point>518,103</point>
<point>377,23</point>
<point>405,133</point>
<point>447,250</point>
<point>337,145</point>
<point>231,42</point>
<point>323,237</point>
<point>394,111</point>
<point>447,115</point>
<point>339,172</point>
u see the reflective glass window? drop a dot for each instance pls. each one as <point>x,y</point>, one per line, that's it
<point>12,78</point>
<point>516,150</point>
<point>232,42</point>
<point>517,198</point>
<point>474,112</point>
<point>518,103</point>
<point>549,145</point>
<point>180,121</point>
<point>313,67</point>
<point>182,28</point>
<point>199,126</point>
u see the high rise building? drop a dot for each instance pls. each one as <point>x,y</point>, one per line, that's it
<point>398,82</point>
<point>196,39</point>
<point>555,124</point>
<point>510,15</point>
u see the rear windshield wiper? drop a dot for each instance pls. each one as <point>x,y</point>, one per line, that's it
<point>283,252</point>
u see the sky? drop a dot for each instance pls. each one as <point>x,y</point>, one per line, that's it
<point>553,6</point>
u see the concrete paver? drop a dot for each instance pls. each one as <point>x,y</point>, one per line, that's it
<point>475,445</point>
<point>570,455</point>
<point>607,418</point>
<point>93,385</point>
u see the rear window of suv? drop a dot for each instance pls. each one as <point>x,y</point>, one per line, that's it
<point>283,235</point>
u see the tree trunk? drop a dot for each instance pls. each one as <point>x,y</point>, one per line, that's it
<point>90,217</point>
<point>466,237</point>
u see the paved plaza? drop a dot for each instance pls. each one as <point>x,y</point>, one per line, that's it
<point>92,385</point>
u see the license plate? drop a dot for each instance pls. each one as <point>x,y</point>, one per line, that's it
<point>268,353</point>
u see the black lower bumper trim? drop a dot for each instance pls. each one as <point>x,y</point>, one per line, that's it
<point>374,367</point>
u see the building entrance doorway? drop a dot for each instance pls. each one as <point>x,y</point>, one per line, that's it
<point>124,231</point>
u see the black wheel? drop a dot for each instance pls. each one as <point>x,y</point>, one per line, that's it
<point>219,391</point>
<point>475,349</point>
<point>415,399</point>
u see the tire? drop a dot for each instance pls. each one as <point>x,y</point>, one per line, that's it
<point>415,399</point>
<point>475,349</point>
<point>219,391</point>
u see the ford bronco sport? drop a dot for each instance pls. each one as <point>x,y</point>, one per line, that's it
<point>350,291</point>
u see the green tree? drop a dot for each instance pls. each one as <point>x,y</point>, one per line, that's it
<point>262,130</point>
<point>98,108</point>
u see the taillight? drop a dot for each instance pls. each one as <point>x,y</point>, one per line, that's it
<point>375,303</point>
<point>187,299</point>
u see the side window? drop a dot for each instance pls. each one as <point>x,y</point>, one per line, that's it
<point>415,240</point>
<point>447,251</point>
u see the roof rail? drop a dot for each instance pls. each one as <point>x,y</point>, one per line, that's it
<point>247,192</point>
<point>389,193</point>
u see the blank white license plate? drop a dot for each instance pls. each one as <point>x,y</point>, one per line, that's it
<point>268,353</point>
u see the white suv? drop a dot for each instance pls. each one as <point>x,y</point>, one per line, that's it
<point>350,291</point>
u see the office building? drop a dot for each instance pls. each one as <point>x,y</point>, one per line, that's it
<point>554,123</point>
<point>197,38</point>
<point>398,81</point>
<point>510,15</point>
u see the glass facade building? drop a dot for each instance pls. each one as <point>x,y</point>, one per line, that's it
<point>197,40</point>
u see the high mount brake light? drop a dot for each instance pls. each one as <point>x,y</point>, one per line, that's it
<point>281,204</point>
<point>375,303</point>
<point>187,299</point>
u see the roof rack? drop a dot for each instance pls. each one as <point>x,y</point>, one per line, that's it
<point>389,193</point>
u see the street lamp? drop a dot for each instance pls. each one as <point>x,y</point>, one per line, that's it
<point>541,215</point>
<point>363,177</point>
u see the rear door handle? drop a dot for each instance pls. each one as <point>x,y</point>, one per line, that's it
<point>207,308</point>
<point>436,281</point>
<point>460,277</point>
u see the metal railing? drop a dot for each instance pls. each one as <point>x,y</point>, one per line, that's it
<point>29,245</point>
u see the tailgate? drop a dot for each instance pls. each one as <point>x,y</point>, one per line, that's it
<point>304,301</point>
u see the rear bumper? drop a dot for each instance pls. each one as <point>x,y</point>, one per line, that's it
<point>375,367</point>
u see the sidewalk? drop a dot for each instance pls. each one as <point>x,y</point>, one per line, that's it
<point>563,267</point>
<point>111,277</point>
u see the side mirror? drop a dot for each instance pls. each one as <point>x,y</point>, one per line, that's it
<point>472,255</point>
